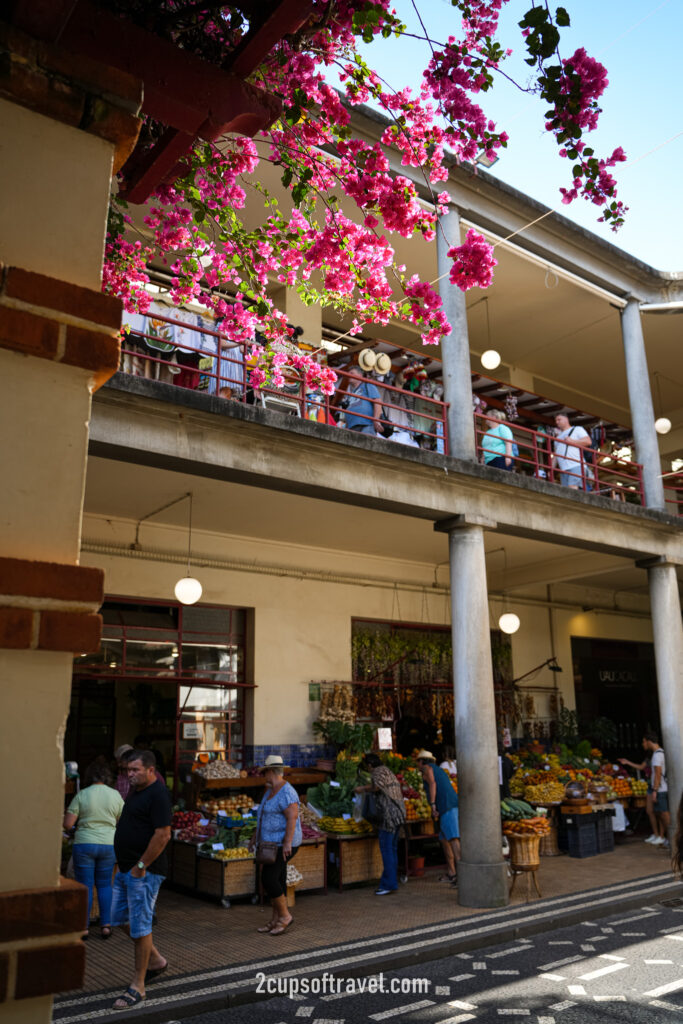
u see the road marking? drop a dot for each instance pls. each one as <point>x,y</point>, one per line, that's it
<point>460,1019</point>
<point>507,952</point>
<point>558,942</point>
<point>505,972</point>
<point>465,956</point>
<point>633,935</point>
<point>325,1020</point>
<point>607,931</point>
<point>561,963</point>
<point>480,965</point>
<point>442,990</point>
<point>603,971</point>
<point>552,977</point>
<point>514,1013</point>
<point>545,1020</point>
<point>611,956</point>
<point>461,977</point>
<point>665,1006</point>
<point>657,961</point>
<point>666,932</point>
<point>664,990</point>
<point>458,1004</point>
<point>636,917</point>
<point>563,1005</point>
<point>599,938</point>
<point>398,1010</point>
<point>304,1011</point>
<point>609,999</point>
<point>587,948</point>
<point>576,990</point>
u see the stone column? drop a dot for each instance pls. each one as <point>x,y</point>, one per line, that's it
<point>58,343</point>
<point>481,872</point>
<point>640,401</point>
<point>665,609</point>
<point>455,349</point>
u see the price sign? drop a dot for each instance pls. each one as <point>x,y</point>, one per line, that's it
<point>217,846</point>
<point>384,739</point>
<point>221,814</point>
<point>346,817</point>
<point>333,783</point>
<point>203,821</point>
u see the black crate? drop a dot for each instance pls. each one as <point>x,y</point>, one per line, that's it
<point>604,832</point>
<point>582,839</point>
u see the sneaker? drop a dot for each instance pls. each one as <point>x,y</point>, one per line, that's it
<point>652,839</point>
<point>660,841</point>
<point>384,892</point>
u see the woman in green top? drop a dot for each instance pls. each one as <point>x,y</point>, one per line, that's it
<point>95,811</point>
<point>496,444</point>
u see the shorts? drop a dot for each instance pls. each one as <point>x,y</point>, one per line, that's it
<point>449,824</point>
<point>661,802</point>
<point>134,900</point>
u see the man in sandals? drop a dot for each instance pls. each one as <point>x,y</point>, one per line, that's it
<point>140,841</point>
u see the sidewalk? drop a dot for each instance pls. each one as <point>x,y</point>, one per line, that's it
<point>214,953</point>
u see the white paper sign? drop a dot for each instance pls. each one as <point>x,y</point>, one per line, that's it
<point>217,846</point>
<point>384,741</point>
<point>333,783</point>
<point>192,731</point>
<point>222,814</point>
<point>346,817</point>
<point>246,814</point>
<point>203,821</point>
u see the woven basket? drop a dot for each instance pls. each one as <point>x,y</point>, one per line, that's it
<point>639,801</point>
<point>425,828</point>
<point>524,852</point>
<point>548,846</point>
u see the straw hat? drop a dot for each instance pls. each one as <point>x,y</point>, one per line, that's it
<point>425,755</point>
<point>382,362</point>
<point>367,360</point>
<point>125,748</point>
<point>273,761</point>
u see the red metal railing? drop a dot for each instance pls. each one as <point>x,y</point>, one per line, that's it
<point>673,492</point>
<point>211,362</point>
<point>544,456</point>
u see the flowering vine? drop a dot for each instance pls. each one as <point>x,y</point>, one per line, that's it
<point>196,225</point>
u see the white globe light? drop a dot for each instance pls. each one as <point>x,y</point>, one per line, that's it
<point>490,359</point>
<point>509,623</point>
<point>663,425</point>
<point>188,590</point>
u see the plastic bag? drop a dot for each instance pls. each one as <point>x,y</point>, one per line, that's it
<point>357,807</point>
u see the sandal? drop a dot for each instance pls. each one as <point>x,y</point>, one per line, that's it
<point>268,927</point>
<point>280,929</point>
<point>105,931</point>
<point>130,998</point>
<point>154,972</point>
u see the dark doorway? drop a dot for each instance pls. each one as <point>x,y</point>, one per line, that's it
<point>615,679</point>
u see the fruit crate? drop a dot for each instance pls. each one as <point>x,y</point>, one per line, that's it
<point>226,878</point>
<point>604,832</point>
<point>311,861</point>
<point>357,859</point>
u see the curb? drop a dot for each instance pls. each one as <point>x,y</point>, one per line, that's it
<point>401,951</point>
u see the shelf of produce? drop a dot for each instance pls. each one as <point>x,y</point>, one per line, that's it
<point>308,777</point>
<point>358,858</point>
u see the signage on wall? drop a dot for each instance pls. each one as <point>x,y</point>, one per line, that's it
<point>384,741</point>
<point>193,731</point>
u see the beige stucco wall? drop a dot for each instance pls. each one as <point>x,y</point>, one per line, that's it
<point>55,186</point>
<point>302,626</point>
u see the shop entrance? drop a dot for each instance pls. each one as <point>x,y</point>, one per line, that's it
<point>167,677</point>
<point>617,681</point>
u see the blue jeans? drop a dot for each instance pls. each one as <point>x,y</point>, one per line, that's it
<point>388,847</point>
<point>134,901</point>
<point>94,865</point>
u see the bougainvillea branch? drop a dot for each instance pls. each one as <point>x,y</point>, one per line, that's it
<point>196,225</point>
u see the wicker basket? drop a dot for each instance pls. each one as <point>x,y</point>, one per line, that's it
<point>362,860</point>
<point>310,861</point>
<point>425,828</point>
<point>639,801</point>
<point>548,846</point>
<point>524,852</point>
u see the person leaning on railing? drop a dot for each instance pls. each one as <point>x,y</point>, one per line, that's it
<point>496,444</point>
<point>569,458</point>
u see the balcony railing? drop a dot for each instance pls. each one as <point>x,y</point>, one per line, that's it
<point>208,361</point>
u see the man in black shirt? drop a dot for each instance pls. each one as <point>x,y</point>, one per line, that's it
<point>140,841</point>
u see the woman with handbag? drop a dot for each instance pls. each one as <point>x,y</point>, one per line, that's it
<point>391,816</point>
<point>277,838</point>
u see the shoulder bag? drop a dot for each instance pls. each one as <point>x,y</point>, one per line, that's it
<point>370,809</point>
<point>266,853</point>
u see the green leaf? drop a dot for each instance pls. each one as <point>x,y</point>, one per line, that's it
<point>562,18</point>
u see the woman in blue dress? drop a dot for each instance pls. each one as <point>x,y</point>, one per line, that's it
<point>278,822</point>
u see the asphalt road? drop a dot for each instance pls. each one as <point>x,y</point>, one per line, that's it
<point>627,968</point>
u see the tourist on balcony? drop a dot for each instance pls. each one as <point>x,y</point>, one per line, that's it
<point>570,457</point>
<point>496,444</point>
<point>361,400</point>
<point>397,409</point>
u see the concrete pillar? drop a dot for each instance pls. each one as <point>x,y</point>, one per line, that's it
<point>668,637</point>
<point>455,349</point>
<point>482,877</point>
<point>640,401</point>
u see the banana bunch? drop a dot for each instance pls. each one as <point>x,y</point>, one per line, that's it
<point>515,810</point>
<point>345,826</point>
<point>545,792</point>
<point>237,853</point>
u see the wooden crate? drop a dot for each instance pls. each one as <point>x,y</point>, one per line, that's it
<point>226,877</point>
<point>310,861</point>
<point>361,860</point>
<point>183,861</point>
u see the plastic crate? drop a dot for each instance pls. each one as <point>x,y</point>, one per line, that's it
<point>582,840</point>
<point>604,833</point>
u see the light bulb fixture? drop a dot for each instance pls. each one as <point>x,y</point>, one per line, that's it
<point>509,622</point>
<point>188,590</point>
<point>662,423</point>
<point>490,359</point>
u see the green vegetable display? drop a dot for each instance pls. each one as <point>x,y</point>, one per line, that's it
<point>331,801</point>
